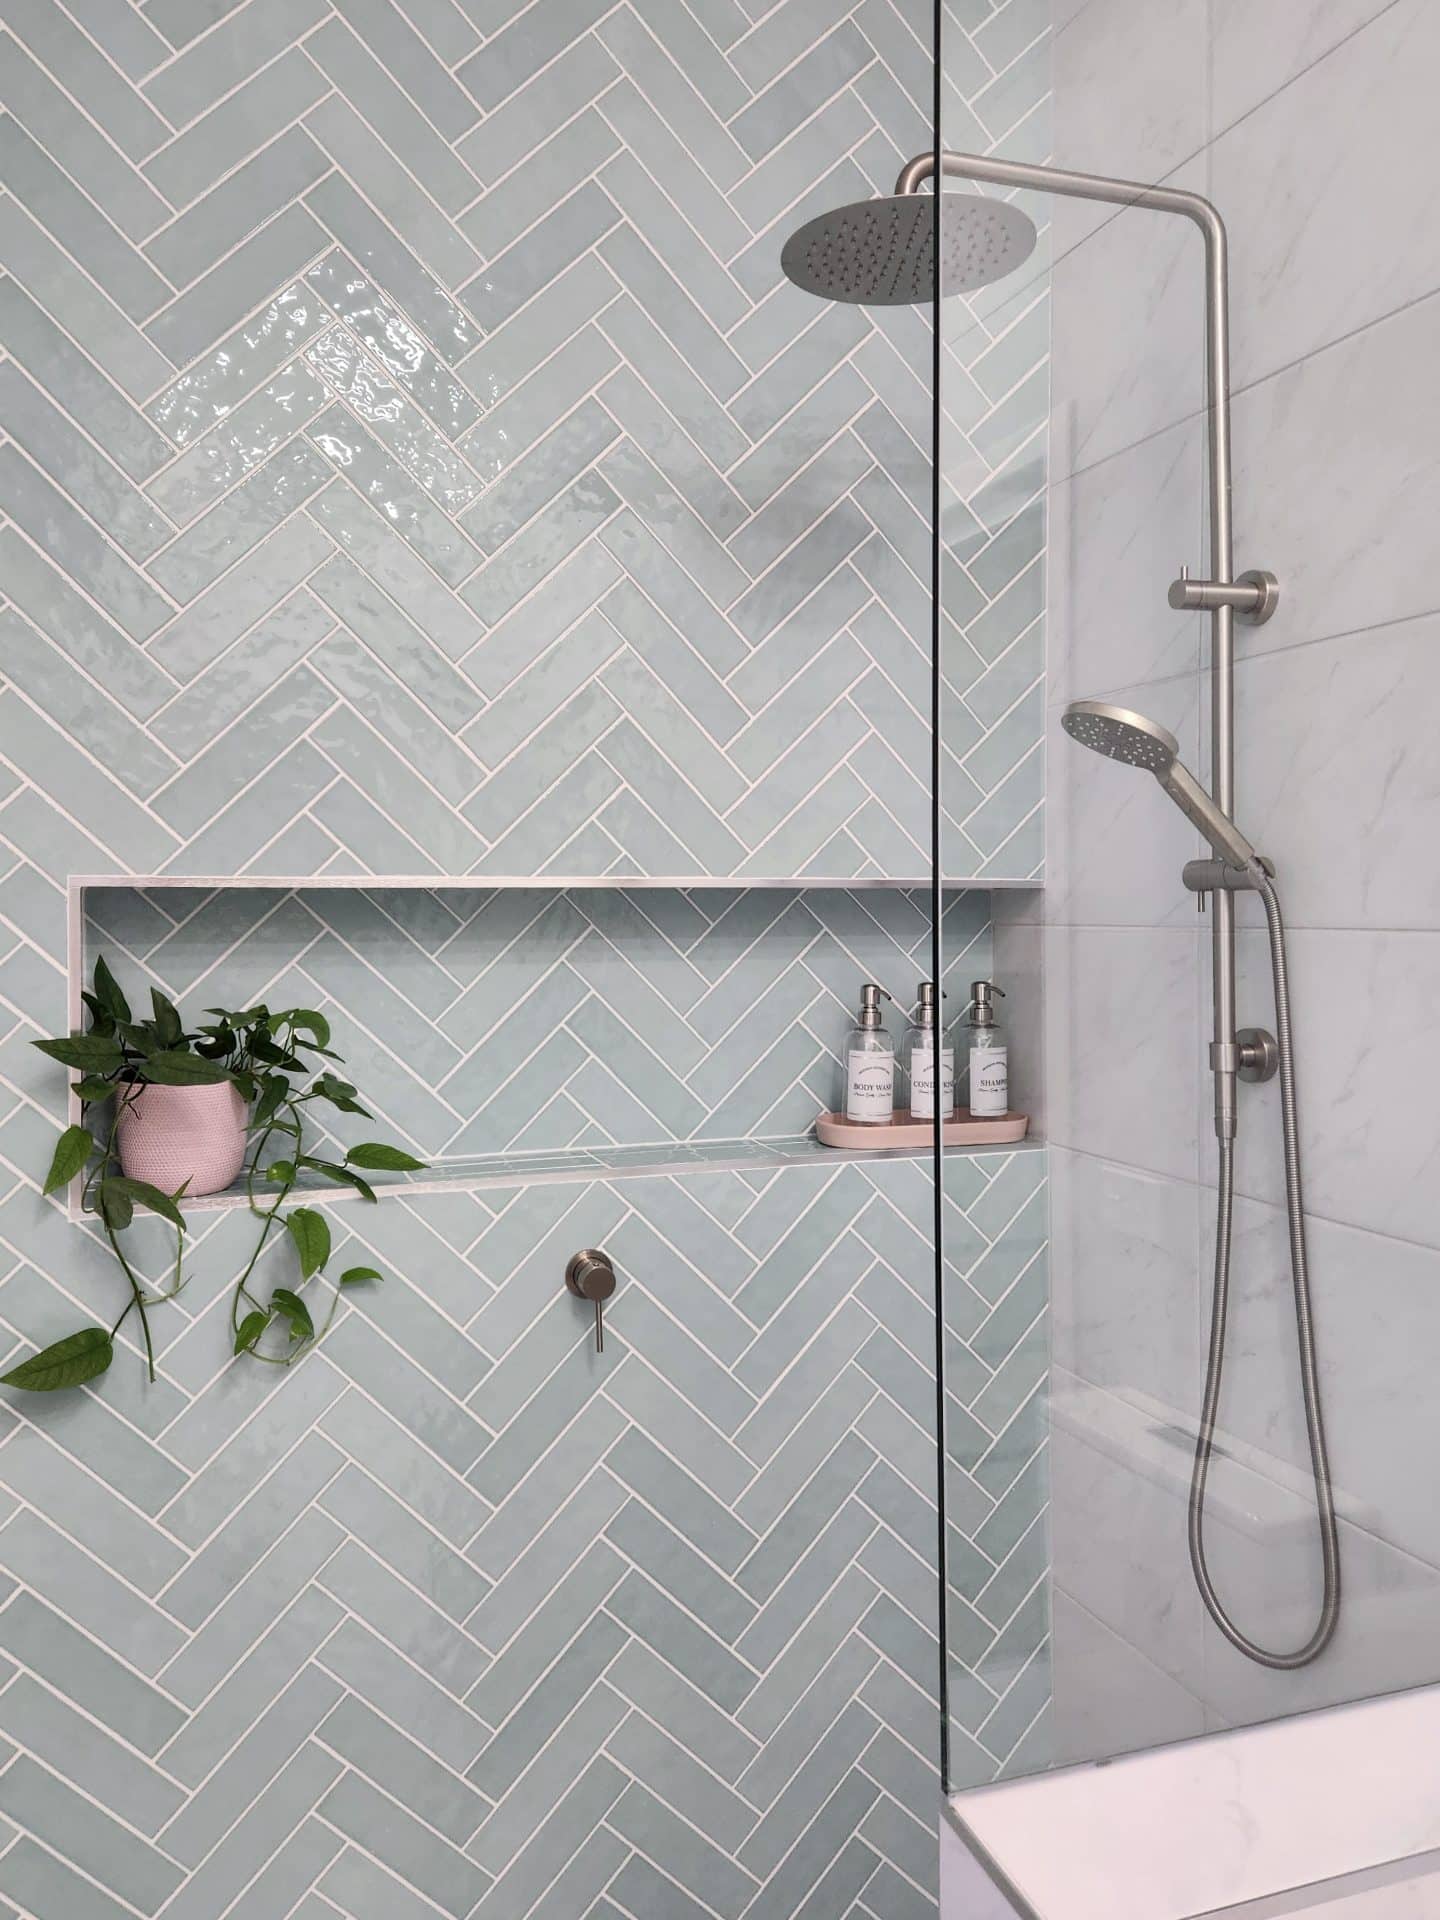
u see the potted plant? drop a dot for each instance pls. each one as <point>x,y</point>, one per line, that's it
<point>180,1113</point>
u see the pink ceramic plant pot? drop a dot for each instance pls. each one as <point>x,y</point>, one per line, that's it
<point>194,1135</point>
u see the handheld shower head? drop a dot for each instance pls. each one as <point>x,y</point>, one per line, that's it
<point>1138,742</point>
<point>1121,735</point>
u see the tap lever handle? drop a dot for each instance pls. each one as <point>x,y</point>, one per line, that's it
<point>590,1275</point>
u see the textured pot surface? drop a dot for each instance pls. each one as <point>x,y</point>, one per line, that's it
<point>189,1135</point>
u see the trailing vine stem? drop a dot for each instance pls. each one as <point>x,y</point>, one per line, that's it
<point>137,1302</point>
<point>278,1062</point>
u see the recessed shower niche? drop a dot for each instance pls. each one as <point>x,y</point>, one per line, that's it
<point>525,1031</point>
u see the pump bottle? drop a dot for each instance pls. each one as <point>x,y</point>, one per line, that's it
<point>989,1054</point>
<point>920,1058</point>
<point>870,1064</point>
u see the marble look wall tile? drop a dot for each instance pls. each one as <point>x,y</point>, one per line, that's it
<point>1367,1060</point>
<point>1355,555</point>
<point>1256,50</point>
<point>1119,532</point>
<point>1108,1698</point>
<point>1118,1541</point>
<point>1127,359</point>
<point>1319,107</point>
<point>1122,1040</point>
<point>1358,208</point>
<point>1385,1640</point>
<point>1337,774</point>
<point>1018,957</point>
<point>1377,1312</point>
<point>1127,101</point>
<point>1126,1293</point>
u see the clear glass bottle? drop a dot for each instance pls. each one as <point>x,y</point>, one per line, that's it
<point>870,1064</point>
<point>919,1057</point>
<point>989,1054</point>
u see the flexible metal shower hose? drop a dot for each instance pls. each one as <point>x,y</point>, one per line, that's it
<point>1305,1328</point>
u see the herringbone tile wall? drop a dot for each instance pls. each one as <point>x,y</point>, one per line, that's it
<point>416,460</point>
<point>462,1617</point>
<point>996,1295</point>
<point>412,463</point>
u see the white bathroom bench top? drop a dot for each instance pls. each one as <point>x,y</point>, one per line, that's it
<point>1206,1825</point>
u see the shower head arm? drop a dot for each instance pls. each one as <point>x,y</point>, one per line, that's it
<point>1202,213</point>
<point>1074,186</point>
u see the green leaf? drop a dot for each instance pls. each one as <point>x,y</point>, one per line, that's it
<point>107,991</point>
<point>250,1330</point>
<point>102,1021</point>
<point>273,1090</point>
<point>67,1363</point>
<point>282,1300</point>
<point>342,1176</point>
<point>168,1024</point>
<point>169,1069</point>
<point>90,1052</point>
<point>282,1172</point>
<point>339,1093</point>
<point>273,1056</point>
<point>144,1195</point>
<point>345,1104</point>
<point>311,1233</point>
<point>375,1156</point>
<point>116,1205</point>
<point>310,1022</point>
<point>72,1150</point>
<point>93,1088</point>
<point>352,1276</point>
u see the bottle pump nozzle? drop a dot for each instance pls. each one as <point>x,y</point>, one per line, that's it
<point>925,1003</point>
<point>870,998</point>
<point>982,1007</point>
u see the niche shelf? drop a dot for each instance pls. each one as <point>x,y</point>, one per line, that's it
<point>536,1030</point>
<point>490,1172</point>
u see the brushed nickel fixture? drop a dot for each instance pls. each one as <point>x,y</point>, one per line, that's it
<point>881,253</point>
<point>1130,738</point>
<point>832,256</point>
<point>1253,597</point>
<point>590,1276</point>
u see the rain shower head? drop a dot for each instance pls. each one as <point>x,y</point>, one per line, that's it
<point>881,253</point>
<point>1137,742</point>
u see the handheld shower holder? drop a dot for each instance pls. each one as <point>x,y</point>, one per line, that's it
<point>1253,597</point>
<point>1253,1055</point>
<point>1212,876</point>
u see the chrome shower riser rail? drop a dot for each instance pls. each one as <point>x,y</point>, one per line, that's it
<point>1255,599</point>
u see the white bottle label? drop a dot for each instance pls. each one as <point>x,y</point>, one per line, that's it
<point>989,1081</point>
<point>870,1086</point>
<point>922,1083</point>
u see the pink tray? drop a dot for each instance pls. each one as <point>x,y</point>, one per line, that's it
<point>834,1130</point>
